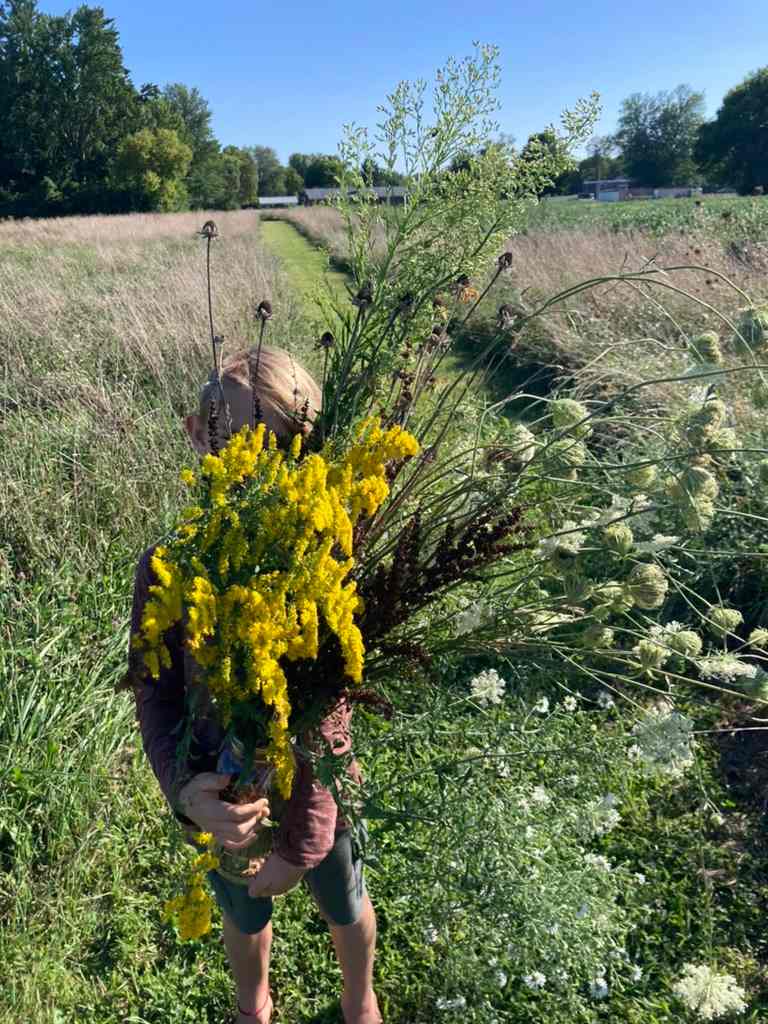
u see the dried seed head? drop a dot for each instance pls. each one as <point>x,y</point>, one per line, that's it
<point>505,261</point>
<point>209,230</point>
<point>440,308</point>
<point>364,297</point>
<point>326,341</point>
<point>264,310</point>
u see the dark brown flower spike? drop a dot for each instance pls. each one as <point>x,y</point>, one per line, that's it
<point>213,426</point>
<point>209,230</point>
<point>505,261</point>
<point>326,341</point>
<point>253,379</point>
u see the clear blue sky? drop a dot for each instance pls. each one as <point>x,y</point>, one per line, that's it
<point>289,75</point>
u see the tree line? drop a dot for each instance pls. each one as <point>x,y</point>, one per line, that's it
<point>77,136</point>
<point>664,139</point>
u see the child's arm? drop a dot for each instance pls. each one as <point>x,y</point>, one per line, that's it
<point>159,702</point>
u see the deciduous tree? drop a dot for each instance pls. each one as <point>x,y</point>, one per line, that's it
<point>151,167</point>
<point>733,148</point>
<point>657,136</point>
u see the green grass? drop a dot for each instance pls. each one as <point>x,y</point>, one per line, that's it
<point>305,265</point>
<point>723,217</point>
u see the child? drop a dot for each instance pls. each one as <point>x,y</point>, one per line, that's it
<point>313,842</point>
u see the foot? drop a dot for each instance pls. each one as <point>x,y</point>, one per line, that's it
<point>261,1016</point>
<point>361,1011</point>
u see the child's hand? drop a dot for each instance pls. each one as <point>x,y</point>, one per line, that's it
<point>276,877</point>
<point>232,825</point>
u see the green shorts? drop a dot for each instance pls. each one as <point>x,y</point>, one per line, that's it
<point>336,884</point>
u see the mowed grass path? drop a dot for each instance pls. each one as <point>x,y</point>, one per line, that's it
<point>307,268</point>
<point>305,264</point>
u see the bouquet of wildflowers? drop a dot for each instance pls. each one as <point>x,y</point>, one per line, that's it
<point>261,568</point>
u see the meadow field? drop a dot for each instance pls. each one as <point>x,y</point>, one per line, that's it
<point>104,340</point>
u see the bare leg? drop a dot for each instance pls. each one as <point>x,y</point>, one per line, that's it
<point>355,946</point>
<point>248,957</point>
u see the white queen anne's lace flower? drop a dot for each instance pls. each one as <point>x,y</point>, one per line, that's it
<point>458,1003</point>
<point>570,703</point>
<point>488,687</point>
<point>570,540</point>
<point>709,994</point>
<point>600,815</point>
<point>473,617</point>
<point>605,700</point>
<point>596,860</point>
<point>536,980</point>
<point>659,542</point>
<point>598,988</point>
<point>726,668</point>
<point>541,706</point>
<point>664,741</point>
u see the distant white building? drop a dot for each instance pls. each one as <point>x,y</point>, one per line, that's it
<point>613,190</point>
<point>608,190</point>
<point>268,201</point>
<point>675,193</point>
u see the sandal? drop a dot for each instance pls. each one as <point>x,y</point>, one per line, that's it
<point>257,1013</point>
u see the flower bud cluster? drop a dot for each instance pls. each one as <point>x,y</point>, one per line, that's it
<point>565,457</point>
<point>619,539</point>
<point>723,621</point>
<point>647,586</point>
<point>705,348</point>
<point>752,329</point>
<point>568,414</point>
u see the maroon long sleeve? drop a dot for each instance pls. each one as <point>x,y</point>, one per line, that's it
<point>309,823</point>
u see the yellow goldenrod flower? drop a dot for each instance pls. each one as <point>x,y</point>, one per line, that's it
<point>268,568</point>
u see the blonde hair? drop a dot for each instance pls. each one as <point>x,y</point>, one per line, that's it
<point>279,386</point>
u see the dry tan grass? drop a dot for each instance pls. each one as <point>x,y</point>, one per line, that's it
<point>549,262</point>
<point>104,341</point>
<point>118,229</point>
<point>115,296</point>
